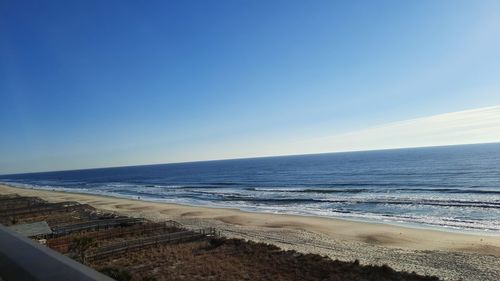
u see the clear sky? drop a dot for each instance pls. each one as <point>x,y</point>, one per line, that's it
<point>109,83</point>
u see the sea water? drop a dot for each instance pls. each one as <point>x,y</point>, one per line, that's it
<point>453,187</point>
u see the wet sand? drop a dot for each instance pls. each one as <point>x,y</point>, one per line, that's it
<point>448,255</point>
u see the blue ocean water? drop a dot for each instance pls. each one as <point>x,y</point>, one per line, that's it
<point>454,187</point>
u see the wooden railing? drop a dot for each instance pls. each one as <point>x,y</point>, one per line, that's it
<point>62,243</point>
<point>94,225</point>
<point>43,208</point>
<point>9,196</point>
<point>19,202</point>
<point>147,241</point>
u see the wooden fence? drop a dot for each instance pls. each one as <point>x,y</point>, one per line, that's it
<point>147,241</point>
<point>94,225</point>
<point>62,243</point>
<point>8,196</point>
<point>19,202</point>
<point>43,208</point>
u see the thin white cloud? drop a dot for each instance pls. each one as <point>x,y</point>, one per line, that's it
<point>480,125</point>
<point>470,126</point>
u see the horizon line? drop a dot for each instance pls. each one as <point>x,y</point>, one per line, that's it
<point>250,157</point>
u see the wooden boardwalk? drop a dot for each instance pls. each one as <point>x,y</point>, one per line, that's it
<point>8,196</point>
<point>148,241</point>
<point>61,243</point>
<point>44,208</point>
<point>16,202</point>
<point>95,225</point>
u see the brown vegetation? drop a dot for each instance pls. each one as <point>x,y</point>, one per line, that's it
<point>235,259</point>
<point>208,258</point>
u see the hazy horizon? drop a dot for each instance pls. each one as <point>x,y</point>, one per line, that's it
<point>254,157</point>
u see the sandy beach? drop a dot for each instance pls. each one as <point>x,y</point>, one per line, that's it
<point>448,255</point>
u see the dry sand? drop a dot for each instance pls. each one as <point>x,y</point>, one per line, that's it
<point>448,255</point>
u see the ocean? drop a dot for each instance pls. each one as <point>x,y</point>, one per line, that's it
<point>453,187</point>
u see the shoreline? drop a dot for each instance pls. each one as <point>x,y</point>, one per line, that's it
<point>404,225</point>
<point>389,223</point>
<point>390,235</point>
<point>448,255</point>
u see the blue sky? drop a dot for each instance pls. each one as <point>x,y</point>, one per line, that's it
<point>106,83</point>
